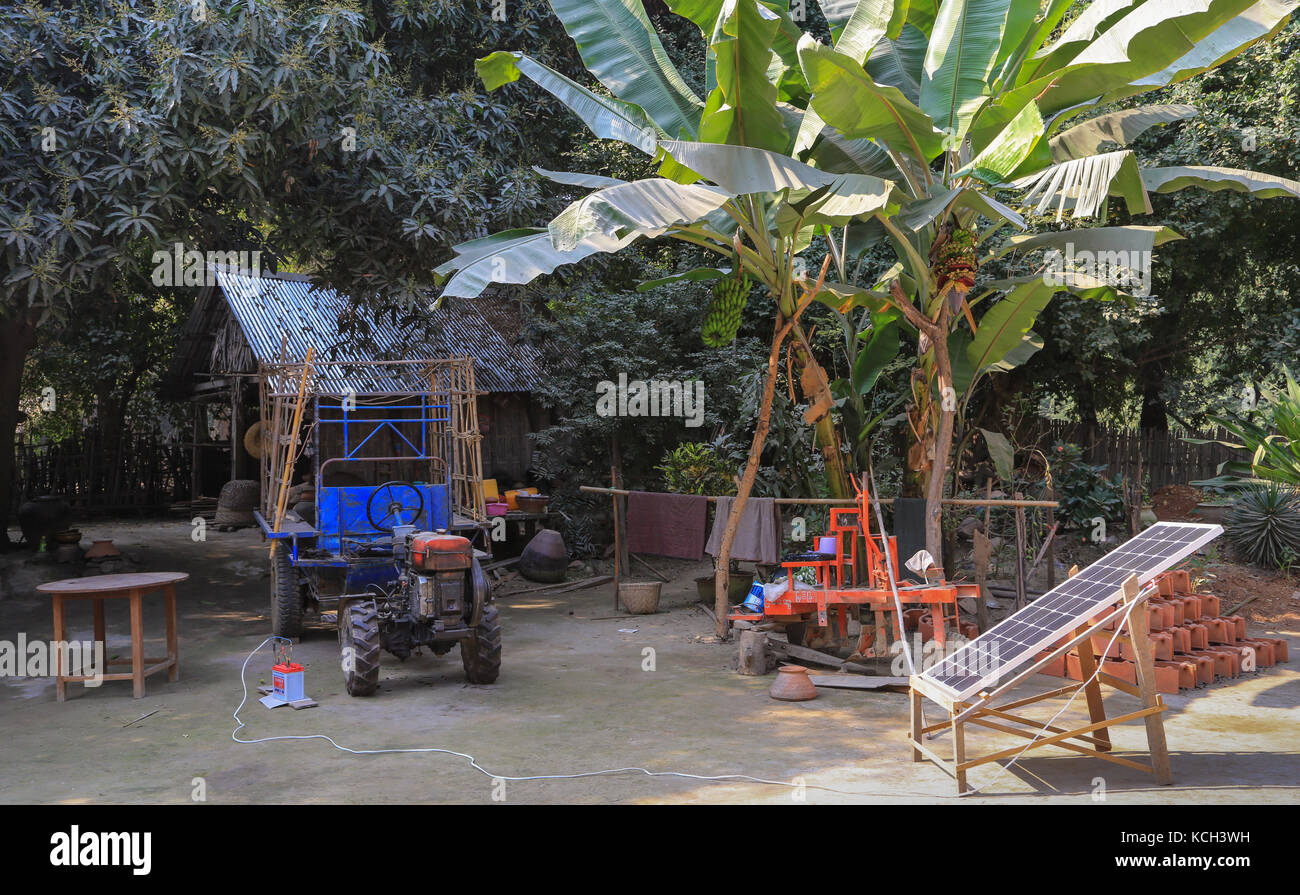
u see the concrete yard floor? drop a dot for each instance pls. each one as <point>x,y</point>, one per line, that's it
<point>574,696</point>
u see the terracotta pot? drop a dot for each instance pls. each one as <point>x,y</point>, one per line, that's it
<point>102,550</point>
<point>792,685</point>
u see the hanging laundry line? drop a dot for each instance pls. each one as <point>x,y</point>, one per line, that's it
<point>848,502</point>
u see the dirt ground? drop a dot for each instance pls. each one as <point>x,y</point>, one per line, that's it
<point>579,692</point>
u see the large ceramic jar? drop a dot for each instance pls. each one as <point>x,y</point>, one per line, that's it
<point>43,516</point>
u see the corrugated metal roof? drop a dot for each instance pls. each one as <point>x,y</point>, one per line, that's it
<point>279,311</point>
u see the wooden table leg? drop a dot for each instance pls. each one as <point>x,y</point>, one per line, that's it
<point>100,635</point>
<point>173,645</point>
<point>60,685</point>
<point>137,643</point>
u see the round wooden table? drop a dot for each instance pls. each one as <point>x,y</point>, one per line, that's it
<point>132,586</point>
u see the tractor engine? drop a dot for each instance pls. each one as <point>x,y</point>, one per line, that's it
<point>439,578</point>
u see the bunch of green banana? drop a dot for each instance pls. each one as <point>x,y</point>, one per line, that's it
<point>722,319</point>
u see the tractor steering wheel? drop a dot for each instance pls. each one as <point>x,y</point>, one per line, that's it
<point>402,498</point>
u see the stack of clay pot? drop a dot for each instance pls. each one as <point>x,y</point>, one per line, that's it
<point>1192,643</point>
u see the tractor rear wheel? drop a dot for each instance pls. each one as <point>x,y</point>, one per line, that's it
<point>359,644</point>
<point>480,652</point>
<point>286,593</point>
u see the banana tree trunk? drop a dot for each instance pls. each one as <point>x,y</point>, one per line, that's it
<point>816,391</point>
<point>828,439</point>
<point>722,577</point>
<point>947,406</point>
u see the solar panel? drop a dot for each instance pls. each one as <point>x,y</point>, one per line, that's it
<point>1017,638</point>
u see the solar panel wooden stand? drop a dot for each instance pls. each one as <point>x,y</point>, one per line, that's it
<point>1092,739</point>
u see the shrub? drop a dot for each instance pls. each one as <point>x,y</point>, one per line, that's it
<point>1264,525</point>
<point>695,467</point>
<point>1083,490</point>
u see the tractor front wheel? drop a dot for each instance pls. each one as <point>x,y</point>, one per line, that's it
<point>359,644</point>
<point>286,593</point>
<point>480,652</point>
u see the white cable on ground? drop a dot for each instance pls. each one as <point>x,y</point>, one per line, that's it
<point>476,766</point>
<point>473,762</point>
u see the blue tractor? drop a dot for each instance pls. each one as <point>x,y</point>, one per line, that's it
<point>388,541</point>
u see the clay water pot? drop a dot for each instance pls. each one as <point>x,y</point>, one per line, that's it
<point>67,553</point>
<point>545,559</point>
<point>792,685</point>
<point>43,516</point>
<point>102,550</point>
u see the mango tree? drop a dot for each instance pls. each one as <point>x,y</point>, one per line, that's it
<point>918,128</point>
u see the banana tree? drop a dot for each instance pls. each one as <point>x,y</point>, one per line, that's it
<point>920,128</point>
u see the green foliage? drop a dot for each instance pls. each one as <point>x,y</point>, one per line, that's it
<point>855,146</point>
<point>696,467</point>
<point>120,134</point>
<point>589,336</point>
<point>1273,442</point>
<point>1264,525</point>
<point>1083,490</point>
<point>1224,313</point>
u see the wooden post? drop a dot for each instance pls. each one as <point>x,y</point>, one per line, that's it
<point>982,550</point>
<point>1051,544</point>
<point>195,479</point>
<point>1020,555</point>
<point>959,755</point>
<point>918,722</point>
<point>620,533</point>
<point>1140,637</point>
<point>618,541</point>
<point>752,656</point>
<point>236,424</point>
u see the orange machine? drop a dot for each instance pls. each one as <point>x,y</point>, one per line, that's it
<point>844,587</point>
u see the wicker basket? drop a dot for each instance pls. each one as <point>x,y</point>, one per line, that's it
<point>639,597</point>
<point>238,499</point>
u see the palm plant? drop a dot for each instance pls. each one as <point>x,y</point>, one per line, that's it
<point>914,129</point>
<point>1274,444</point>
